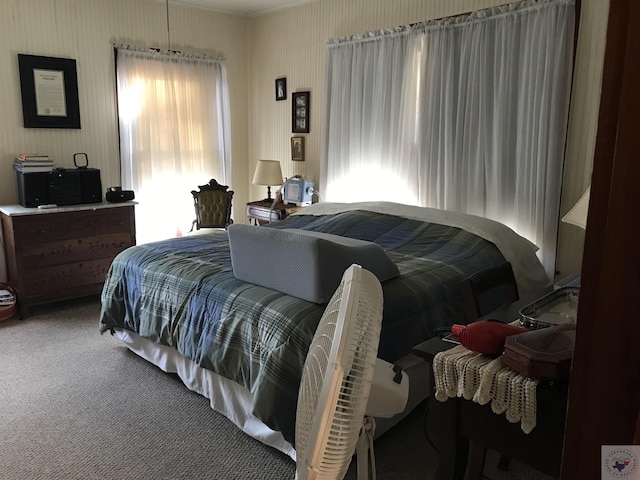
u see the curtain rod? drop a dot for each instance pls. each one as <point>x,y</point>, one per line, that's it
<point>168,27</point>
<point>451,20</point>
<point>173,53</point>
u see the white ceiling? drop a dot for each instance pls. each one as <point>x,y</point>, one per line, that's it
<point>242,7</point>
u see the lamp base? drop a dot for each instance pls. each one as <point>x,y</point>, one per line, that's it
<point>270,201</point>
<point>270,198</point>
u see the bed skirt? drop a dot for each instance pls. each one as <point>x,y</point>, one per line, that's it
<point>235,401</point>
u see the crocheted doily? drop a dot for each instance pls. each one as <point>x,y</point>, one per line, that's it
<point>459,372</point>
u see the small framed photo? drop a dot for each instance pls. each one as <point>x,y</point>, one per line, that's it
<point>297,149</point>
<point>281,89</point>
<point>300,112</point>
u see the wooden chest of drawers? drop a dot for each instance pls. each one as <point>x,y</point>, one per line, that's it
<point>64,252</point>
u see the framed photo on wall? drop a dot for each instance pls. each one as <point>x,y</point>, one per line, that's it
<point>49,87</point>
<point>281,89</point>
<point>300,112</point>
<point>297,149</point>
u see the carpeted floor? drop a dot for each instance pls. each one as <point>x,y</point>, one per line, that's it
<point>75,404</point>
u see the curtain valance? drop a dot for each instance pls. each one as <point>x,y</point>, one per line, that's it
<point>169,55</point>
<point>495,13</point>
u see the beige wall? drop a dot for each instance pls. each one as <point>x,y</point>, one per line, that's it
<point>85,30</point>
<point>288,43</point>
<point>583,123</point>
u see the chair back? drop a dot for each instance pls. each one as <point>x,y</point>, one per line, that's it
<point>212,203</point>
<point>486,291</point>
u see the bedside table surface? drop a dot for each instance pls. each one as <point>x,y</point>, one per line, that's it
<point>464,429</point>
<point>260,211</point>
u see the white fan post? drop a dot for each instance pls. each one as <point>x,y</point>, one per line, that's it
<point>336,383</point>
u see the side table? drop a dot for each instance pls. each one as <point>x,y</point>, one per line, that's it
<point>260,213</point>
<point>463,429</point>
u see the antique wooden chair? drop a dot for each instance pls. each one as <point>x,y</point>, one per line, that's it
<point>212,203</point>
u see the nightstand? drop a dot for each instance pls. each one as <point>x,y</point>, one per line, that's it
<point>260,213</point>
<point>462,429</point>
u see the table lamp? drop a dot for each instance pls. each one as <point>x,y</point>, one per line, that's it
<point>578,214</point>
<point>268,173</point>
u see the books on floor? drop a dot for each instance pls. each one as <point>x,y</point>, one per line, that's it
<point>31,163</point>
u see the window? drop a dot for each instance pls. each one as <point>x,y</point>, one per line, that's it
<point>466,114</point>
<point>174,134</point>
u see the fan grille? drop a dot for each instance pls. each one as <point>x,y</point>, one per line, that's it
<point>337,377</point>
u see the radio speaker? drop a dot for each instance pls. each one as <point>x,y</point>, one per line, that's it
<point>33,188</point>
<point>90,185</point>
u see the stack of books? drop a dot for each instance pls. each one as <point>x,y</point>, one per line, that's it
<point>31,163</point>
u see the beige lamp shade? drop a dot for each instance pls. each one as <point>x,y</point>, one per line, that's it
<point>268,172</point>
<point>578,214</point>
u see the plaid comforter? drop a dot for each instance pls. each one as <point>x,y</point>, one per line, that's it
<point>182,293</point>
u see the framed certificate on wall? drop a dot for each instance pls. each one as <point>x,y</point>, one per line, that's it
<point>49,87</point>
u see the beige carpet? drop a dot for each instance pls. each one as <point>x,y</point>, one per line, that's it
<point>75,404</point>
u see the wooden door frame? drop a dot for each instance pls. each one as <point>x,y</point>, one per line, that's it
<point>604,392</point>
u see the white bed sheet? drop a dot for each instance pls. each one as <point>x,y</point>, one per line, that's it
<point>235,401</point>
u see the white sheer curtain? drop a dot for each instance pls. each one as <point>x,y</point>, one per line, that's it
<point>466,114</point>
<point>174,134</point>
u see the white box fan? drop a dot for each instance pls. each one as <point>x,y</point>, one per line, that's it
<point>344,385</point>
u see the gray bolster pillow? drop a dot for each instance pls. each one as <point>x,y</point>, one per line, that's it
<point>303,264</point>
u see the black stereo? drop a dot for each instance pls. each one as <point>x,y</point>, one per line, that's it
<point>72,186</point>
<point>63,186</point>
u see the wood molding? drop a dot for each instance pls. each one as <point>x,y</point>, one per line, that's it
<point>604,392</point>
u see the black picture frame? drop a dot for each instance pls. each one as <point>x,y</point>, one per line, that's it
<point>300,113</point>
<point>62,109</point>
<point>281,89</point>
<point>297,149</point>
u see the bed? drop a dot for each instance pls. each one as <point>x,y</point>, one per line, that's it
<point>177,304</point>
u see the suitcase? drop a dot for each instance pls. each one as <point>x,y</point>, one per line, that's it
<point>543,354</point>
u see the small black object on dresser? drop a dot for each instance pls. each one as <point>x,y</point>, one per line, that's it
<point>117,195</point>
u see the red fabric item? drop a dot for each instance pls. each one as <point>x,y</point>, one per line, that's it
<point>485,336</point>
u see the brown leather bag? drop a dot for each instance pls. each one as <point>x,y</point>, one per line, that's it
<point>543,354</point>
